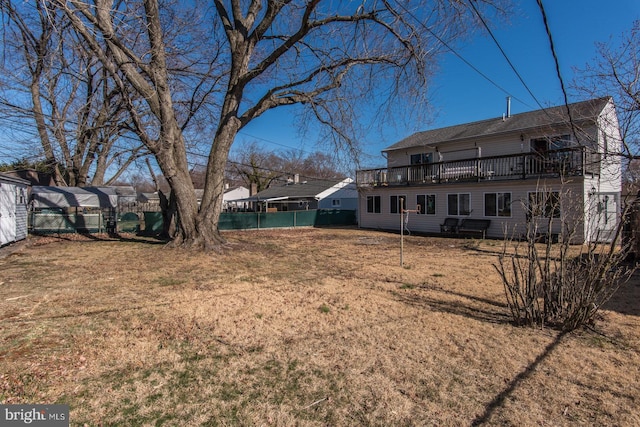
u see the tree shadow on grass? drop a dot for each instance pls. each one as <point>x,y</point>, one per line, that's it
<point>105,237</point>
<point>499,399</point>
<point>485,310</point>
<point>476,308</point>
<point>625,299</point>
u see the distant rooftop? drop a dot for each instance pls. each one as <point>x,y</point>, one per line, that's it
<point>302,189</point>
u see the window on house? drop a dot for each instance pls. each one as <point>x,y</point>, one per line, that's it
<point>335,203</point>
<point>544,204</point>
<point>459,204</point>
<point>397,203</point>
<point>373,204</point>
<point>427,203</point>
<point>561,141</point>
<point>497,204</point>
<point>542,145</point>
<point>422,158</point>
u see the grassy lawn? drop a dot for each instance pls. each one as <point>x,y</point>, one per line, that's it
<point>300,327</point>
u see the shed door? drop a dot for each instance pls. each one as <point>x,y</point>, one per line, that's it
<point>7,213</point>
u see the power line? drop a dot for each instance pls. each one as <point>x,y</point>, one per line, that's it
<point>463,59</point>
<point>232,162</point>
<point>557,64</point>
<point>273,142</point>
<point>27,130</point>
<point>504,54</point>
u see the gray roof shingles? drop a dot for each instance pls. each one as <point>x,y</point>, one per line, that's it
<point>580,112</point>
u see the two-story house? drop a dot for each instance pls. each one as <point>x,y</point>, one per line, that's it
<point>557,167</point>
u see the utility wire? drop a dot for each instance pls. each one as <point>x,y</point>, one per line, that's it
<point>279,171</point>
<point>495,40</point>
<point>463,59</point>
<point>555,58</point>
<point>242,132</point>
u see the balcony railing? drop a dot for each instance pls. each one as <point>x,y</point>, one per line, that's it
<point>565,162</point>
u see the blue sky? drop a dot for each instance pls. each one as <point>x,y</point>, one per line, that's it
<point>459,94</point>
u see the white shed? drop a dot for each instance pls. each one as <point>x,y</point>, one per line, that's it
<point>13,209</point>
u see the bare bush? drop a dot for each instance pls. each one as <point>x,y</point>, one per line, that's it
<point>551,281</point>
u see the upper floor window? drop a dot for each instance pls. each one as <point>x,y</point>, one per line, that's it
<point>558,142</point>
<point>335,203</point>
<point>422,158</point>
<point>459,204</point>
<point>427,203</point>
<point>497,204</point>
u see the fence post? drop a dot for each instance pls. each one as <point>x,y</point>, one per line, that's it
<point>401,200</point>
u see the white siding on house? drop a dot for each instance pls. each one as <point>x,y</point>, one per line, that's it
<point>235,194</point>
<point>610,144</point>
<point>589,191</point>
<point>514,225</point>
<point>343,195</point>
<point>494,145</point>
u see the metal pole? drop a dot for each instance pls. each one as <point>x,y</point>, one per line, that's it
<point>401,232</point>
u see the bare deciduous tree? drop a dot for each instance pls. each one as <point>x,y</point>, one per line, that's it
<point>258,168</point>
<point>616,72</point>
<point>50,79</point>
<point>328,57</point>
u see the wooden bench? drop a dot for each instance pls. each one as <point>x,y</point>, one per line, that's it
<point>474,226</point>
<point>450,225</point>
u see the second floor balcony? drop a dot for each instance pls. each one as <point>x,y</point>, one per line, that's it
<point>566,162</point>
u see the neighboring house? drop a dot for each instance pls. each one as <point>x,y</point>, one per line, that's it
<point>297,195</point>
<point>151,198</point>
<point>126,194</point>
<point>509,170</point>
<point>231,196</point>
<point>13,209</point>
<point>32,176</point>
<point>233,199</point>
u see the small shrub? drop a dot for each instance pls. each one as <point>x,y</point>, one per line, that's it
<point>546,284</point>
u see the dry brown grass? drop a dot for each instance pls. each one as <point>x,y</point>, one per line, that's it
<point>300,327</point>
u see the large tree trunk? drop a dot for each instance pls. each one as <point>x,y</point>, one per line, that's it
<point>185,198</point>
<point>41,126</point>
<point>212,198</point>
<point>390,43</point>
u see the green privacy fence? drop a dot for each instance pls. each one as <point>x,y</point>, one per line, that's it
<point>310,218</point>
<point>258,220</point>
<point>56,222</point>
<point>151,223</point>
<point>53,222</point>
